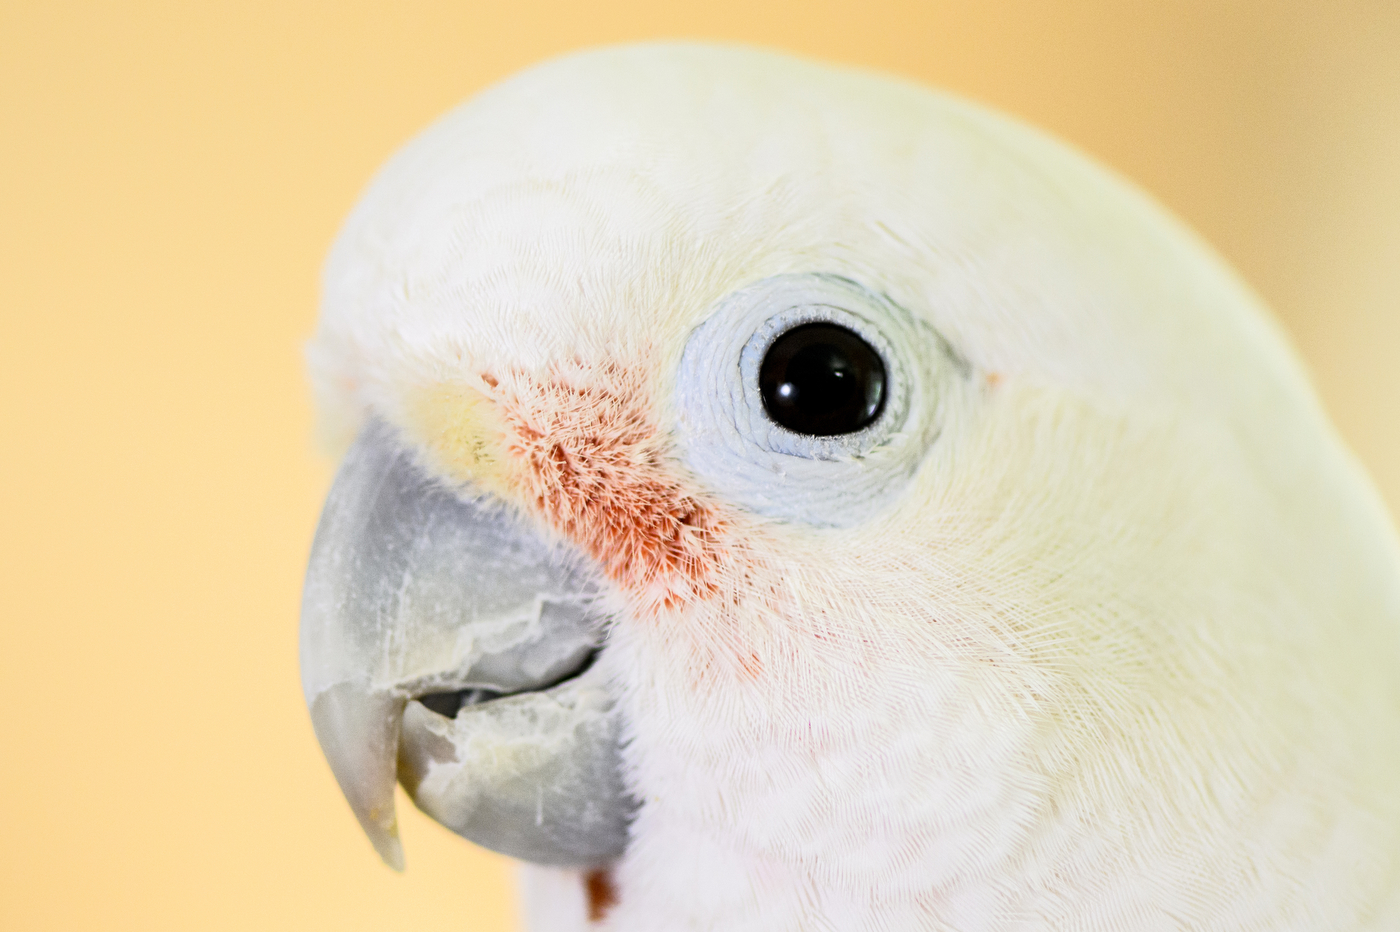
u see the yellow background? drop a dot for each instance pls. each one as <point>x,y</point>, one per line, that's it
<point>170,177</point>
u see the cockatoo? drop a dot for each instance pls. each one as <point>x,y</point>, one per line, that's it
<point>781,497</point>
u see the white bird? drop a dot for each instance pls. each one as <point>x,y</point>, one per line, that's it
<point>787,498</point>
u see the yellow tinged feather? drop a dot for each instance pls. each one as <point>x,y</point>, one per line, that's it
<point>462,435</point>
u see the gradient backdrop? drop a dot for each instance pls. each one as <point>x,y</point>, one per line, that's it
<point>171,175</point>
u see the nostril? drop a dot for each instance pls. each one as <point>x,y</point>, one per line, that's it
<point>449,704</point>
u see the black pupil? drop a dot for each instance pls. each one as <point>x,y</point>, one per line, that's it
<point>822,379</point>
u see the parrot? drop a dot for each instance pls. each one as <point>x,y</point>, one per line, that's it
<point>782,496</point>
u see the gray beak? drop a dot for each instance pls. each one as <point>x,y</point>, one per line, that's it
<point>447,644</point>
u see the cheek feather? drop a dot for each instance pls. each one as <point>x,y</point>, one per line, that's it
<point>593,465</point>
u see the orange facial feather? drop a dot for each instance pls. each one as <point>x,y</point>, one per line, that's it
<point>594,466</point>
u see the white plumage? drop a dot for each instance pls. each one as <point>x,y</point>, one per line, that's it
<point>1114,648</point>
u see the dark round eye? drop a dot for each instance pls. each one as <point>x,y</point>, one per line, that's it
<point>823,380</point>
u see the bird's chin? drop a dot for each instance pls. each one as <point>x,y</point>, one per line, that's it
<point>445,644</point>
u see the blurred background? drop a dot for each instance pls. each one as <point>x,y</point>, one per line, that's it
<point>171,175</point>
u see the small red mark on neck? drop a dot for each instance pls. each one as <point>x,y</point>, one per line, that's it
<point>601,893</point>
<point>752,666</point>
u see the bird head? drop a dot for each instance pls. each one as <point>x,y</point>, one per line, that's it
<point>794,463</point>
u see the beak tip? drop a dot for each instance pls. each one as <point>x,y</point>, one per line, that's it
<point>359,733</point>
<point>383,832</point>
<point>391,851</point>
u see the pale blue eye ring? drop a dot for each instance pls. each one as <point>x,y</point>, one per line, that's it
<point>727,438</point>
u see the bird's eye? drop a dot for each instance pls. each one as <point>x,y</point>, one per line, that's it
<point>809,397</point>
<point>822,380</point>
